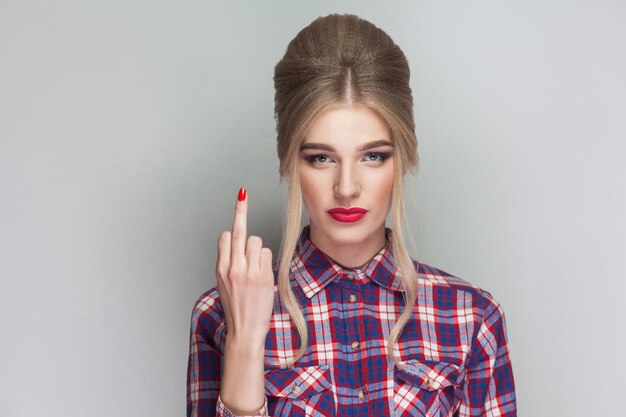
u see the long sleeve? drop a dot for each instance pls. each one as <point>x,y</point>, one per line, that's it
<point>222,411</point>
<point>205,360</point>
<point>490,388</point>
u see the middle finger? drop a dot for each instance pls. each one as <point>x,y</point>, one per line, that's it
<point>238,246</point>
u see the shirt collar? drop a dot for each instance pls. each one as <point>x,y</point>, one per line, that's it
<point>313,270</point>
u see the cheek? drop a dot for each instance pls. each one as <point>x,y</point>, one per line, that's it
<point>309,185</point>
<point>383,185</point>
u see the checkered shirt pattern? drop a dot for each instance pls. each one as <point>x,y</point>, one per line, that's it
<point>454,358</point>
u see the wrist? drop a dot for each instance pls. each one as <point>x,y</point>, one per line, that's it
<point>245,345</point>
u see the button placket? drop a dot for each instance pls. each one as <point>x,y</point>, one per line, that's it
<point>352,287</point>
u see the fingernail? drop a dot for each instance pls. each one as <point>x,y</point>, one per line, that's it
<point>242,194</point>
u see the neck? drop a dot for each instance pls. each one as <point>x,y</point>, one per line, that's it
<point>349,253</point>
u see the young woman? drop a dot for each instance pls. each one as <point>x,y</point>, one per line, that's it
<point>346,323</point>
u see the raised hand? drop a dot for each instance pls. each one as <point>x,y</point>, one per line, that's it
<point>245,280</point>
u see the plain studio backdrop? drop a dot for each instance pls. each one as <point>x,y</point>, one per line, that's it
<point>127,127</point>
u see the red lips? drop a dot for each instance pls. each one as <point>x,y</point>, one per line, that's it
<point>347,215</point>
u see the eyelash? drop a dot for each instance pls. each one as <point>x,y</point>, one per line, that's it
<point>382,155</point>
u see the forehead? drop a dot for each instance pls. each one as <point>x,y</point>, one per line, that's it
<point>347,124</point>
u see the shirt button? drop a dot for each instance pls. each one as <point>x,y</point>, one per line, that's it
<point>295,389</point>
<point>431,383</point>
<point>352,298</point>
<point>355,345</point>
<point>361,394</point>
<point>350,276</point>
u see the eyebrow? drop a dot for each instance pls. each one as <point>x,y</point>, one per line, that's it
<point>329,148</point>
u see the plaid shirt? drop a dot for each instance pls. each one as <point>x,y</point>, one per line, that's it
<point>454,348</point>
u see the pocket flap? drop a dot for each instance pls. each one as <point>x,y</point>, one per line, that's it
<point>297,382</point>
<point>429,375</point>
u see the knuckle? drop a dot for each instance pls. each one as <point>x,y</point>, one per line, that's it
<point>236,272</point>
<point>240,208</point>
<point>255,240</point>
<point>253,276</point>
<point>238,234</point>
<point>266,253</point>
<point>223,237</point>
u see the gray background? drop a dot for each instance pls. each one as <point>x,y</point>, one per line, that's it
<point>126,129</point>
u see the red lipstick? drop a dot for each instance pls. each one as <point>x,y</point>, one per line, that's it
<point>347,215</point>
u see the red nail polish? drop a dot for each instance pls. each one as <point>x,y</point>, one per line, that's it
<point>242,194</point>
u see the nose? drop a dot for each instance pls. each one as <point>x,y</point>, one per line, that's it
<point>347,184</point>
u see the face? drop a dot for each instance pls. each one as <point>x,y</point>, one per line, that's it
<point>347,162</point>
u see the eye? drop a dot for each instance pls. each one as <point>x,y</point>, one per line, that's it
<point>318,158</point>
<point>376,156</point>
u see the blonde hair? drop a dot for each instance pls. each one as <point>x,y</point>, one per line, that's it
<point>343,59</point>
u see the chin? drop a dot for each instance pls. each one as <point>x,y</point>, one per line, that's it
<point>345,234</point>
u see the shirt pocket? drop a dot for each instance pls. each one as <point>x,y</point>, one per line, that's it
<point>427,389</point>
<point>300,391</point>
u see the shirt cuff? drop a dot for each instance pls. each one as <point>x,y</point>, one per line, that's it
<point>225,412</point>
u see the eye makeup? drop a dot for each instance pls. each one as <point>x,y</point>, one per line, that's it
<point>382,157</point>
